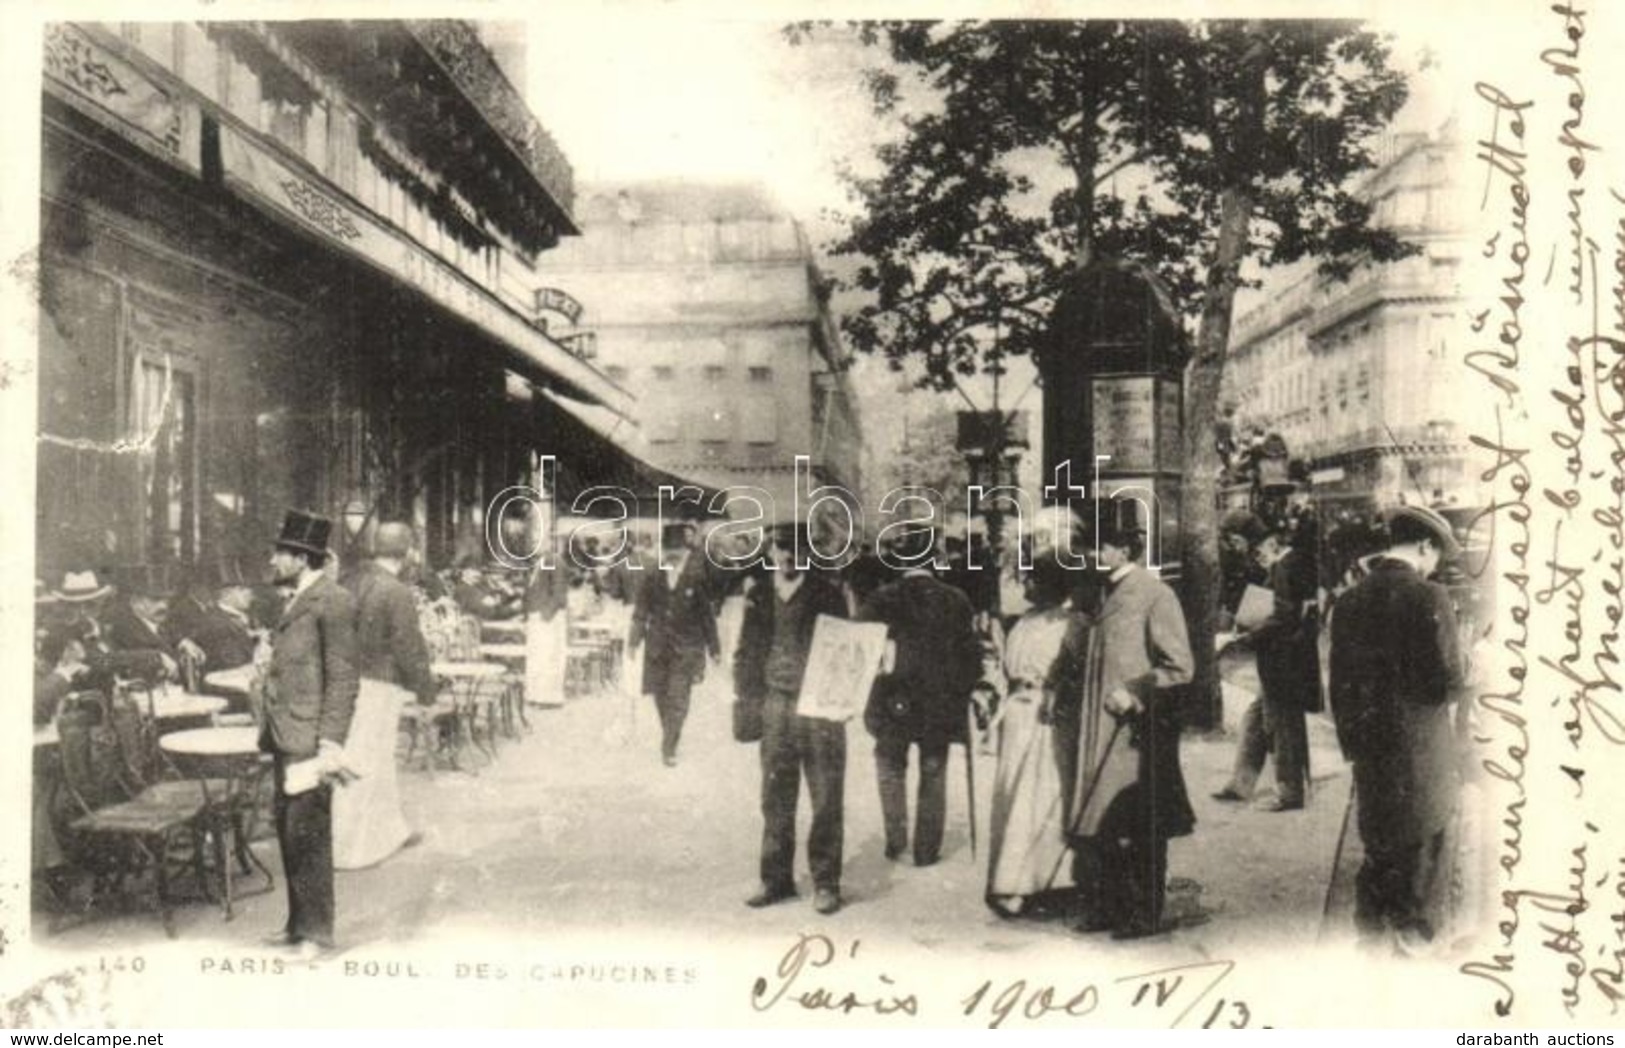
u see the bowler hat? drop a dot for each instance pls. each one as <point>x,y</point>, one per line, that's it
<point>305,533</point>
<point>1245,524</point>
<point>392,539</point>
<point>791,535</point>
<point>1412,523</point>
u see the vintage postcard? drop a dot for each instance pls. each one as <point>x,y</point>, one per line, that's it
<point>438,432</point>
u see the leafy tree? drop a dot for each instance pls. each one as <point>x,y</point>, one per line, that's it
<point>1040,146</point>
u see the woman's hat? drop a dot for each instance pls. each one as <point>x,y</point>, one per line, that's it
<point>305,533</point>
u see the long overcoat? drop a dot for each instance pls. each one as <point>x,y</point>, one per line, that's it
<point>1395,661</point>
<point>1128,782</point>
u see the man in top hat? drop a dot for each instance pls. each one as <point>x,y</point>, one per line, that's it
<point>1129,795</point>
<point>925,698</point>
<point>673,615</point>
<point>770,661</point>
<point>224,629</point>
<point>1395,664</point>
<point>309,699</point>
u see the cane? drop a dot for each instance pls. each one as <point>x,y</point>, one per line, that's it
<point>1337,860</point>
<point>970,776</point>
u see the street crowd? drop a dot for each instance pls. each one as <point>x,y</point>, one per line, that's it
<point>1082,694</point>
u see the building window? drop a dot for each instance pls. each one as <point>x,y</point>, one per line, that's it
<point>759,420</point>
<point>200,60</point>
<point>616,372</point>
<point>715,372</point>
<point>165,415</point>
<point>664,373</point>
<point>155,39</point>
<point>761,374</point>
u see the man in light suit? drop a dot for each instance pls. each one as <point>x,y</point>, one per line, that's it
<point>673,613</point>
<point>309,699</point>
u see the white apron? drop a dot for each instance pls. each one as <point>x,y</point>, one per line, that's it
<point>368,825</point>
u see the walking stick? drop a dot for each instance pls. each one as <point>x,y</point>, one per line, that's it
<point>970,776</point>
<point>1337,860</point>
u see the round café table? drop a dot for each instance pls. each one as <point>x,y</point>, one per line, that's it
<point>180,705</point>
<point>466,680</point>
<point>236,681</point>
<point>229,765</point>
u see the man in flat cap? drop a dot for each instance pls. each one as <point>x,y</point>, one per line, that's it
<point>775,639</point>
<point>309,699</point>
<point>1395,666</point>
<point>673,615</point>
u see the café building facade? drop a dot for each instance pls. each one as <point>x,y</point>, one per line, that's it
<point>293,265</point>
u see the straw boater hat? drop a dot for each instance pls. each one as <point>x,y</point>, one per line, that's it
<point>80,587</point>
<point>305,533</point>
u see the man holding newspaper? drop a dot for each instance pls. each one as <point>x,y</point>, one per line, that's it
<point>308,699</point>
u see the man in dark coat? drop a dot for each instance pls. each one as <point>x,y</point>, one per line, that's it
<point>225,630</point>
<point>1395,663</point>
<point>136,624</point>
<point>389,638</point>
<point>308,701</point>
<point>1287,649</point>
<point>1129,795</point>
<point>924,700</point>
<point>781,611</point>
<point>673,614</point>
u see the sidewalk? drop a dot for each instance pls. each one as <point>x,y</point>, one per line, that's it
<point>579,827</point>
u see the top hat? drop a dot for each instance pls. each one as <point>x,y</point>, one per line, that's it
<point>305,533</point>
<point>79,586</point>
<point>146,580</point>
<point>1411,523</point>
<point>226,574</point>
<point>1120,534</point>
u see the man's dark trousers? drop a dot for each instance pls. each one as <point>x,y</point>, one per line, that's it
<point>671,703</point>
<point>794,748</point>
<point>304,831</point>
<point>891,767</point>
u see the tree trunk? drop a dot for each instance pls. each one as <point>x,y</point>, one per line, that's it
<point>1199,499</point>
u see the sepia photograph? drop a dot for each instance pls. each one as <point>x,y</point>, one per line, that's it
<point>672,515</point>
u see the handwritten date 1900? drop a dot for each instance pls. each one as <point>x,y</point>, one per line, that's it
<point>816,975</point>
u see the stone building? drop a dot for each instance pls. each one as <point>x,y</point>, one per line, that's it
<point>705,302</point>
<point>1359,376</point>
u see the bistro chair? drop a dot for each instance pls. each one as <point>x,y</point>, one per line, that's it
<point>116,835</point>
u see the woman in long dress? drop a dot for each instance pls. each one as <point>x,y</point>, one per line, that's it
<point>1028,854</point>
